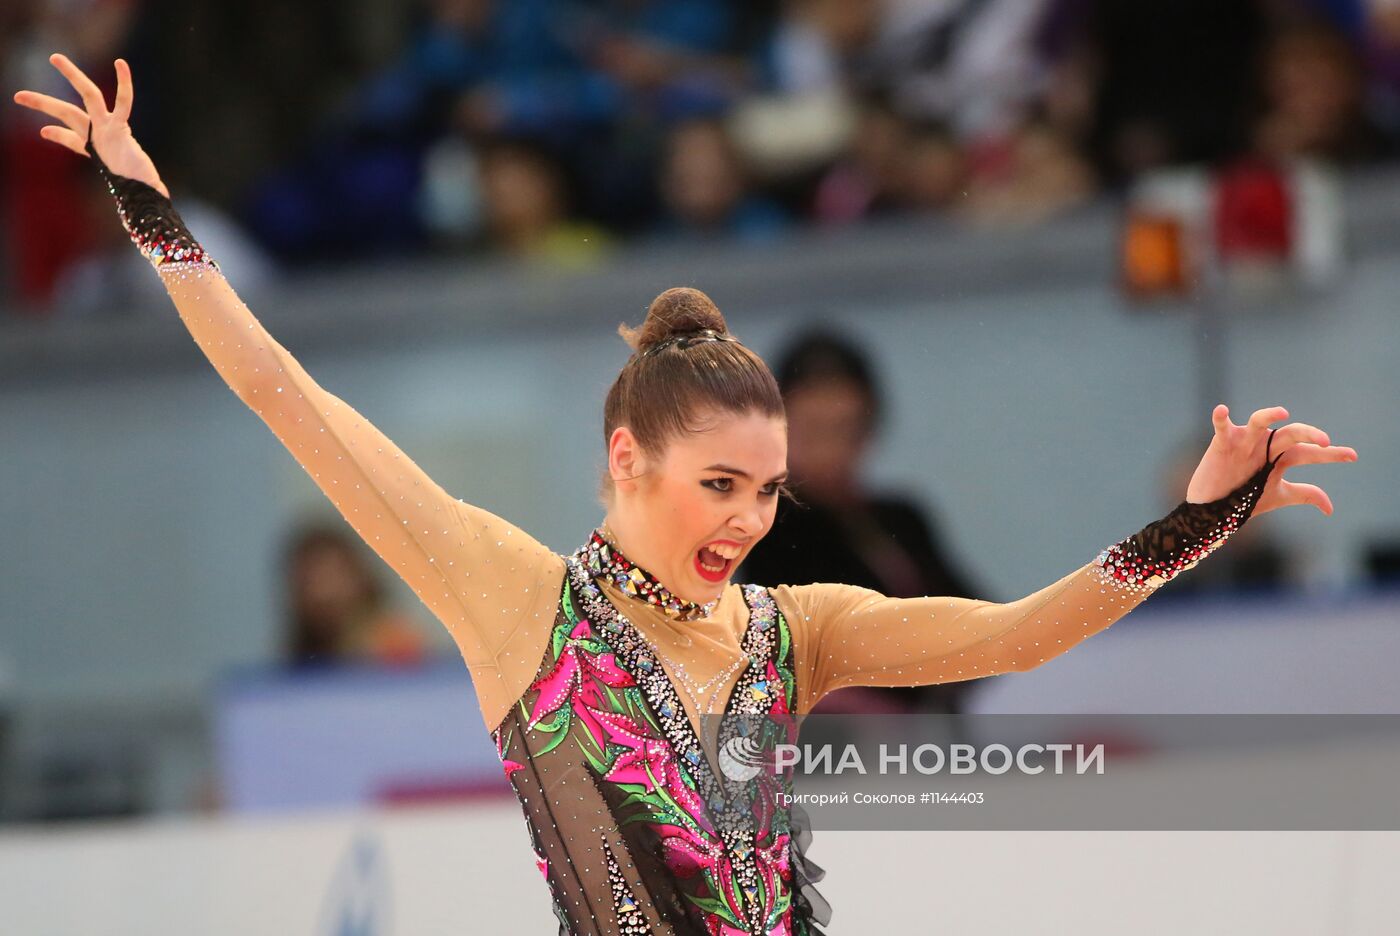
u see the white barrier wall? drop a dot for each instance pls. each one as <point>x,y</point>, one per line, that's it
<point>468,870</point>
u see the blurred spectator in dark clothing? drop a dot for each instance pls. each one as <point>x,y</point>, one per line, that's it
<point>673,58</point>
<point>1174,81</point>
<point>841,532</point>
<point>664,64</point>
<point>1381,560</point>
<point>705,191</point>
<point>483,67</point>
<point>239,88</point>
<point>509,68</point>
<point>337,611</point>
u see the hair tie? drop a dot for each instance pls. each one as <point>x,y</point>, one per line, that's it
<point>688,340</point>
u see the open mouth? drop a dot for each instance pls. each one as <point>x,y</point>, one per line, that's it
<point>714,561</point>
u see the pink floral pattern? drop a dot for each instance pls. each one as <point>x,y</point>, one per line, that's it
<point>574,687</point>
<point>590,693</point>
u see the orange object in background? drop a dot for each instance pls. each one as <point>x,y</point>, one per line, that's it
<point>1154,256</point>
<point>395,640</point>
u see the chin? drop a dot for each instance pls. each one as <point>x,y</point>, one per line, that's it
<point>709,591</point>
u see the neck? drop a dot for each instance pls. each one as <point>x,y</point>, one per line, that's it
<point>627,535</point>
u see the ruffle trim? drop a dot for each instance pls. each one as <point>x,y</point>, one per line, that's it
<point>810,909</point>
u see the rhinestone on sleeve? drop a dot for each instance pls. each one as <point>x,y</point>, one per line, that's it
<point>152,221</point>
<point>1161,551</point>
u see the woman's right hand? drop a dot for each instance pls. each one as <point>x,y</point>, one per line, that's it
<point>111,135</point>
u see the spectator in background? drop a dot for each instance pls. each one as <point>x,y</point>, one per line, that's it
<point>868,180</point>
<point>1173,81</point>
<point>969,65</point>
<point>484,68</point>
<point>840,531</point>
<point>1040,168</point>
<point>667,59</point>
<point>1314,98</point>
<point>663,64</point>
<point>336,606</point>
<point>44,191</point>
<point>959,86</point>
<point>893,165</point>
<point>514,69</point>
<point>705,191</point>
<point>526,198</point>
<point>933,170</point>
<point>1040,173</point>
<point>1379,38</point>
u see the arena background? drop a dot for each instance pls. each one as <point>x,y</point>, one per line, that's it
<point>1061,231</point>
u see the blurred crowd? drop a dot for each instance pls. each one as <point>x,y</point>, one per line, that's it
<point>554,129</point>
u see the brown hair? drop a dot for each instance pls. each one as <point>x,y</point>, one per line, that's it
<point>667,384</point>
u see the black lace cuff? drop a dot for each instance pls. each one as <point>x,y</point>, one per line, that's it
<point>1163,550</point>
<point>152,221</point>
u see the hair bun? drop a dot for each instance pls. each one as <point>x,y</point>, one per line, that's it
<point>676,311</point>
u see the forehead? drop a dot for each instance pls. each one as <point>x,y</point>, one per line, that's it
<point>752,442</point>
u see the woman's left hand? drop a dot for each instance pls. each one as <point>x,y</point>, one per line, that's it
<point>1237,452</point>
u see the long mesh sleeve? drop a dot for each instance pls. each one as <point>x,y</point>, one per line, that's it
<point>489,582</point>
<point>857,637</point>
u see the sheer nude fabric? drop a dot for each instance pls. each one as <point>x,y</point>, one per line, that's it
<point>495,587</point>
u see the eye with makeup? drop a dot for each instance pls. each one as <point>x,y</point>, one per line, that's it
<point>726,486</point>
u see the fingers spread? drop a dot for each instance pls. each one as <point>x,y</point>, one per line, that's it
<point>122,110</point>
<point>66,138</point>
<point>70,114</point>
<point>1262,418</point>
<point>1293,433</point>
<point>1294,493</point>
<point>92,97</point>
<point>1307,453</point>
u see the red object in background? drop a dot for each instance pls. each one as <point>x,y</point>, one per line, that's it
<point>991,157</point>
<point>44,194</point>
<point>1253,213</point>
<point>420,792</point>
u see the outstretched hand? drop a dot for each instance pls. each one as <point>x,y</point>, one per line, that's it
<point>111,134</point>
<point>1237,452</point>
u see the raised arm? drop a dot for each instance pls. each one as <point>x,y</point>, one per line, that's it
<point>478,574</point>
<point>848,636</point>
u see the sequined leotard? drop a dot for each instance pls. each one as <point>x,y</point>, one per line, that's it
<point>595,696</point>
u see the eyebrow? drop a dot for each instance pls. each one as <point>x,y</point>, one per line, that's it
<point>743,474</point>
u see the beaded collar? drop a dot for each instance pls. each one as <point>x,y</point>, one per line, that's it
<point>603,560</point>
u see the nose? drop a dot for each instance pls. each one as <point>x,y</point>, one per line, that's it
<point>747,523</point>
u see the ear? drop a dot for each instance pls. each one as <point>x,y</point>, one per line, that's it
<point>626,462</point>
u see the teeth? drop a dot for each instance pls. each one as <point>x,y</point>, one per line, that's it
<point>725,550</point>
